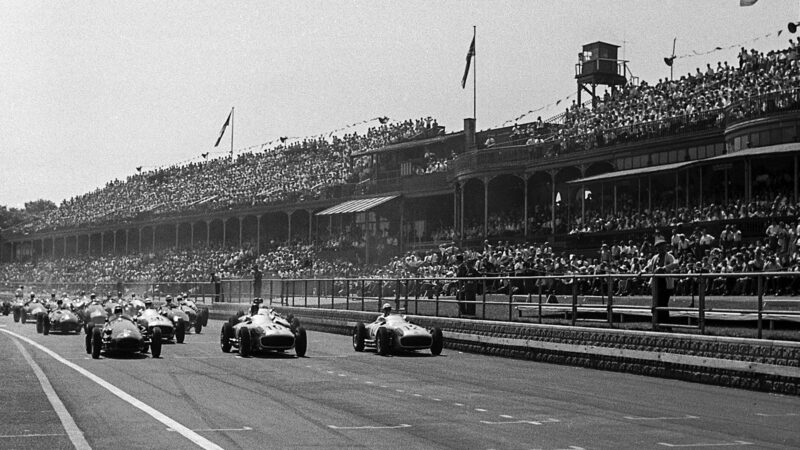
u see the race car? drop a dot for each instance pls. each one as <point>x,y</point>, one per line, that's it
<point>198,317</point>
<point>151,319</point>
<point>262,330</point>
<point>394,333</point>
<point>133,307</point>
<point>92,315</point>
<point>61,320</point>
<point>121,335</point>
<point>6,307</point>
<point>33,311</point>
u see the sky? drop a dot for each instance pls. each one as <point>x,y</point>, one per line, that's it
<point>90,90</point>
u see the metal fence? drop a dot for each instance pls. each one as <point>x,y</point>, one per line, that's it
<point>574,299</point>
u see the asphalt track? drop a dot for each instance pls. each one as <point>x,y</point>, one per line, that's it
<point>336,398</point>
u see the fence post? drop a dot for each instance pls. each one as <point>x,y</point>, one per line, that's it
<point>483,301</point>
<point>380,293</point>
<point>362,294</point>
<point>610,306</point>
<point>405,307</point>
<point>305,293</point>
<point>510,300</point>
<point>760,305</point>
<point>333,292</point>
<point>319,293</point>
<point>654,304</point>
<point>347,293</point>
<point>271,297</point>
<point>416,296</point>
<point>539,283</point>
<point>574,300</point>
<point>436,313</point>
<point>701,303</point>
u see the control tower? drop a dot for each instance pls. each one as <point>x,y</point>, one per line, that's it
<point>598,64</point>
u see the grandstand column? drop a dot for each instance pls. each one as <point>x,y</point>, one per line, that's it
<point>455,206</point>
<point>177,238</point>
<point>748,167</point>
<point>552,200</point>
<point>525,204</point>
<point>461,220</point>
<point>77,249</point>
<point>65,246</point>
<point>700,190</point>
<point>650,193</point>
<point>140,240</point>
<point>485,207</point>
<point>795,178</point>
<point>726,186</point>
<point>89,244</point>
<point>127,239</point>
<point>241,219</point>
<point>102,247</point>
<point>258,233</point>
<point>676,190</point>
<point>289,234</point>
<point>115,243</point>
<point>311,220</point>
<point>208,232</point>
<point>153,247</point>
<point>615,198</point>
<point>224,231</point>
<point>191,235</point>
<point>53,242</point>
<point>687,187</point>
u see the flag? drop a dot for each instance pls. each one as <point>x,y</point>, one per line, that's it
<point>224,126</point>
<point>470,54</point>
<point>747,2</point>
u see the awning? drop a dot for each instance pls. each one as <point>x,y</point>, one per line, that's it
<point>410,144</point>
<point>632,172</point>
<point>758,151</point>
<point>355,206</point>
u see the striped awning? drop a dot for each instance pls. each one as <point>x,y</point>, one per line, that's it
<point>355,206</point>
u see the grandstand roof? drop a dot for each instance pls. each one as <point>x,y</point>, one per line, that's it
<point>354,206</point>
<point>631,172</point>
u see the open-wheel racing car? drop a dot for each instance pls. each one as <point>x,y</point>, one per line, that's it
<point>61,320</point>
<point>263,330</point>
<point>6,307</point>
<point>33,311</point>
<point>394,333</point>
<point>121,335</point>
<point>152,319</point>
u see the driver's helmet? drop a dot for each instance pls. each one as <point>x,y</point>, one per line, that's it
<point>387,308</point>
<point>168,300</point>
<point>118,309</point>
<point>256,305</point>
<point>33,295</point>
<point>148,303</point>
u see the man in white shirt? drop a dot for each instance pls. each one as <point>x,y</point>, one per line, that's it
<point>661,262</point>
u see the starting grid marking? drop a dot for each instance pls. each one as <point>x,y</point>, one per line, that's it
<point>710,444</point>
<point>371,427</point>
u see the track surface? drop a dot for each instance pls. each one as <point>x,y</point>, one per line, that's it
<point>336,398</point>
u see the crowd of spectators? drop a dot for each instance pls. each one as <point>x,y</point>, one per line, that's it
<point>292,171</point>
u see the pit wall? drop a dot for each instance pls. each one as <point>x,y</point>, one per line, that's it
<point>770,366</point>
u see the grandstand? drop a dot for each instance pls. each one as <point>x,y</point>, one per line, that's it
<point>700,155</point>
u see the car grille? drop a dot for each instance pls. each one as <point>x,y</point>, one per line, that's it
<point>128,344</point>
<point>415,341</point>
<point>277,341</point>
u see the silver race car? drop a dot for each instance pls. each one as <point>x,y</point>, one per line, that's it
<point>394,333</point>
<point>262,330</point>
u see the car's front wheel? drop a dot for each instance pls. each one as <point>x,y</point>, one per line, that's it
<point>438,341</point>
<point>88,342</point>
<point>155,343</point>
<point>45,325</point>
<point>300,342</point>
<point>225,336</point>
<point>180,332</point>
<point>382,341</point>
<point>244,342</point>
<point>359,333</point>
<point>97,342</point>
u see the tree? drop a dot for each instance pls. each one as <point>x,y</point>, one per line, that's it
<point>38,206</point>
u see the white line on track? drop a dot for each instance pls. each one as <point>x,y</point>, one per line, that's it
<point>778,415</point>
<point>371,427</point>
<point>29,435</point>
<point>74,433</point>
<point>662,418</point>
<point>458,404</point>
<point>161,417</point>
<point>436,399</point>
<point>506,416</point>
<point>529,422</point>
<point>712,444</point>
<point>480,410</point>
<point>219,429</point>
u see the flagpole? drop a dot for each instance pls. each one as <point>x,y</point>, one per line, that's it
<point>232,132</point>
<point>474,79</point>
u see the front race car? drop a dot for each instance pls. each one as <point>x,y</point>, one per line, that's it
<point>394,333</point>
<point>262,332</point>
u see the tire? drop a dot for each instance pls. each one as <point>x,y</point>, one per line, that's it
<point>382,341</point>
<point>244,342</point>
<point>205,316</point>
<point>225,336</point>
<point>198,327</point>
<point>45,325</point>
<point>180,332</point>
<point>88,342</point>
<point>39,324</point>
<point>97,342</point>
<point>155,343</point>
<point>16,315</point>
<point>359,332</point>
<point>438,341</point>
<point>23,317</point>
<point>300,342</point>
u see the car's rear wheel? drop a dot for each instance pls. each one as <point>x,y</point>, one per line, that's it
<point>39,325</point>
<point>23,316</point>
<point>97,342</point>
<point>155,343</point>
<point>300,342</point>
<point>382,341</point>
<point>45,325</point>
<point>438,341</point>
<point>204,314</point>
<point>88,342</point>
<point>359,333</point>
<point>244,342</point>
<point>16,315</point>
<point>180,331</point>
<point>225,336</point>
<point>198,327</point>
